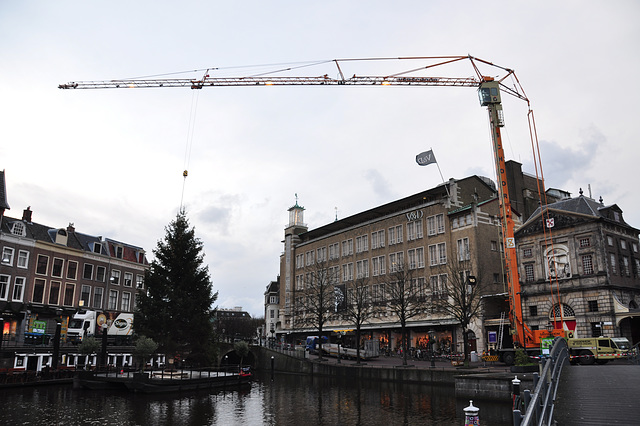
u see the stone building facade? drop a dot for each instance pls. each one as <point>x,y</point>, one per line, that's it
<point>425,231</point>
<point>580,269</point>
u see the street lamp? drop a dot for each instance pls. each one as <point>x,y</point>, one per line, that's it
<point>56,339</point>
<point>432,335</point>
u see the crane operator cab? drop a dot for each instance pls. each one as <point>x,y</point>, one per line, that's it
<point>489,95</point>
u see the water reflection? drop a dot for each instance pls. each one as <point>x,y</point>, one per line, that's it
<point>287,400</point>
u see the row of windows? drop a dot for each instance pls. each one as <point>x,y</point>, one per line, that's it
<point>435,225</point>
<point>623,244</point>
<point>437,256</point>
<point>622,266</point>
<point>380,292</point>
<point>55,293</point>
<point>57,268</point>
<point>18,288</point>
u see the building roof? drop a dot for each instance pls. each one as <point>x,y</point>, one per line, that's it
<point>583,206</point>
<point>437,193</point>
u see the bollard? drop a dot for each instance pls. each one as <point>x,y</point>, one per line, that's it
<point>471,417</point>
<point>515,395</point>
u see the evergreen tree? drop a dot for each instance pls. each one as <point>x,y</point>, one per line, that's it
<point>176,310</point>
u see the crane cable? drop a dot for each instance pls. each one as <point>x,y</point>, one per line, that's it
<point>189,144</point>
<point>545,216</point>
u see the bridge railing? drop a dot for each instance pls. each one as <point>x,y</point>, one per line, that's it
<point>538,407</point>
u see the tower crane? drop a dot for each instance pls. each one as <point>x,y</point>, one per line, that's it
<point>489,92</point>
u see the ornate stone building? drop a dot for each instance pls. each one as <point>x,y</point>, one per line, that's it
<point>580,269</point>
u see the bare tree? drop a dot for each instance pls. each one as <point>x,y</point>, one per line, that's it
<point>320,298</point>
<point>358,308</point>
<point>462,299</point>
<point>405,298</point>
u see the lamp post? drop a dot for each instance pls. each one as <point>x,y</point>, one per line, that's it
<point>432,334</point>
<point>273,337</point>
<point>56,340</point>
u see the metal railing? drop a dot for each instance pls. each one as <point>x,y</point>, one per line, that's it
<point>538,407</point>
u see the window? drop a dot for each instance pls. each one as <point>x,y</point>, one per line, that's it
<point>362,268</point>
<point>494,246</point>
<point>438,284</point>
<point>272,313</point>
<point>613,263</point>
<point>610,240</point>
<point>587,264</point>
<point>463,249</point>
<point>115,277</point>
<point>396,261</point>
<point>85,295</point>
<point>433,256</point>
<point>347,272</point>
<point>23,259</point>
<point>411,231</point>
<point>98,293</point>
<point>87,272</point>
<point>97,248</point>
<point>392,236</point>
<point>419,230</point>
<point>420,257</point>
<point>596,328</point>
<point>18,229</point>
<point>125,304</point>
<point>496,278</point>
<point>378,266</point>
<point>42,265</point>
<point>139,281</point>
<point>7,255</point>
<point>593,306</point>
<point>300,282</point>
<point>56,270</point>
<point>38,290</point>
<point>625,266</point>
<point>442,253</point>
<point>4,286</point>
<point>362,243</point>
<point>18,289</point>
<point>412,258</point>
<point>431,226</point>
<point>533,311</point>
<point>321,254</point>
<point>334,251</point>
<point>527,252</point>
<point>440,223</point>
<point>69,291</point>
<point>72,269</point>
<point>347,247</point>
<point>119,250</point>
<point>399,234</point>
<point>54,292</point>
<point>634,246</point>
<point>113,300</point>
<point>585,242</point>
<point>128,279</point>
<point>309,257</point>
<point>528,273</point>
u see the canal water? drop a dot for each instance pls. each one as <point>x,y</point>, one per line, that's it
<point>285,400</point>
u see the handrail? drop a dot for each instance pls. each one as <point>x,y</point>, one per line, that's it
<point>539,406</point>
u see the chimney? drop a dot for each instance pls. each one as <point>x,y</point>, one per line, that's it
<point>26,214</point>
<point>71,229</point>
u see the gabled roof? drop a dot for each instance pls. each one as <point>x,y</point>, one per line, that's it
<point>582,206</point>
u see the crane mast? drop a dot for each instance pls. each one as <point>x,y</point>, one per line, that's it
<point>489,91</point>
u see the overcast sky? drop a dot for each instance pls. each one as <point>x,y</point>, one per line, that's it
<point>111,161</point>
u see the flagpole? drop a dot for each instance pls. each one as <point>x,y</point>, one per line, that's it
<point>427,158</point>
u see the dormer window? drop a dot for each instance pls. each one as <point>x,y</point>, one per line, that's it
<point>18,229</point>
<point>97,248</point>
<point>119,252</point>
<point>61,237</point>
